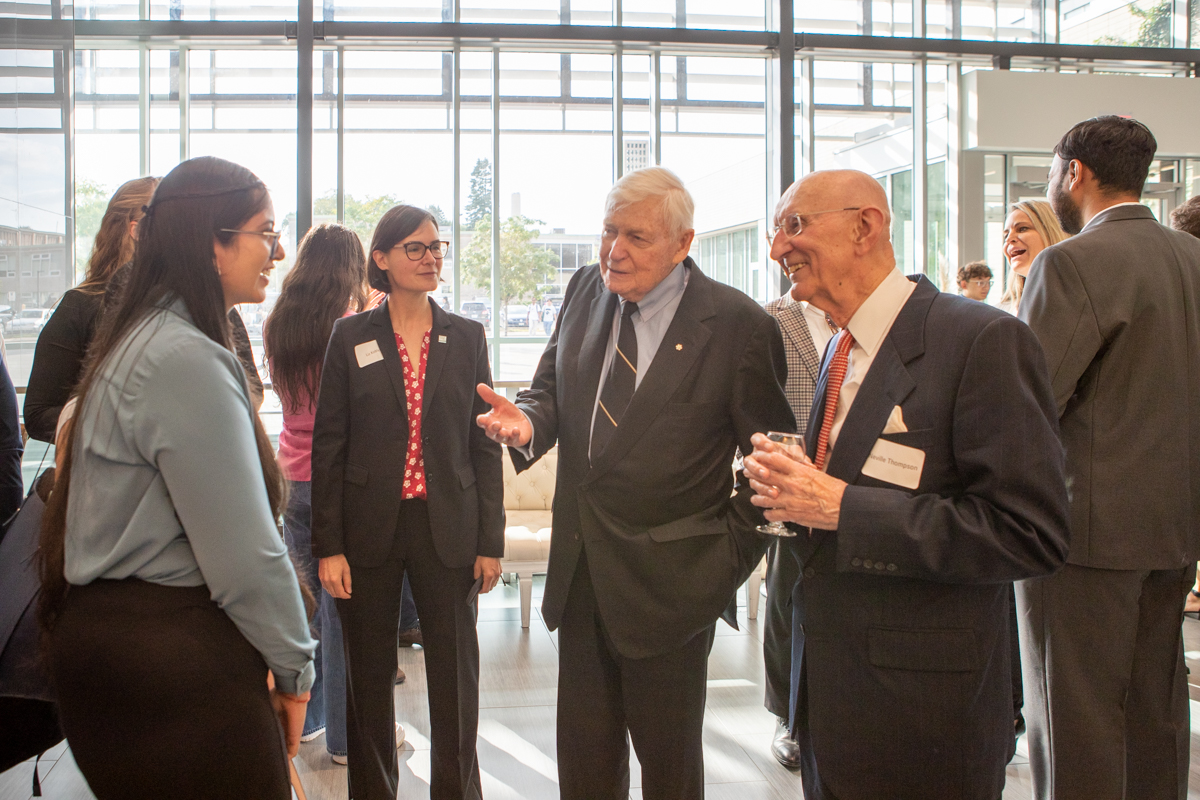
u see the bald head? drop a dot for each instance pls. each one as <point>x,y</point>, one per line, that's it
<point>834,188</point>
<point>834,239</point>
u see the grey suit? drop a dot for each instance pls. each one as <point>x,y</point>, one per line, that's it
<point>803,362</point>
<point>1117,310</point>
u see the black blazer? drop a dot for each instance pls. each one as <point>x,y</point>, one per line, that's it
<point>905,686</point>
<point>667,544</point>
<point>360,443</point>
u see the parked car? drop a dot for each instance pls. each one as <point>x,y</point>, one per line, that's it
<point>517,316</point>
<point>31,320</point>
<point>6,314</point>
<point>475,309</point>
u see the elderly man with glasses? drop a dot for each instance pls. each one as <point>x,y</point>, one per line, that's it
<point>935,480</point>
<point>654,376</point>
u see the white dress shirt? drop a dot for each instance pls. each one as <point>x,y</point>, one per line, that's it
<point>869,326</point>
<point>818,326</point>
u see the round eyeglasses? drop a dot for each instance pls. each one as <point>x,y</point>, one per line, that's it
<point>416,250</point>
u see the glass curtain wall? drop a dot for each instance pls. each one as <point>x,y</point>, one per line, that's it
<point>512,142</point>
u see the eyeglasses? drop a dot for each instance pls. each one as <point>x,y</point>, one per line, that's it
<point>272,237</point>
<point>416,250</point>
<point>982,283</point>
<point>794,224</point>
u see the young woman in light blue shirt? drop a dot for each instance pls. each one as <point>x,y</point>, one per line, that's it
<point>168,597</point>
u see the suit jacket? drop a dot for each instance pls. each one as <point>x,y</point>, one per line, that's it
<point>668,541</point>
<point>1117,309</point>
<point>360,444</point>
<point>905,685</point>
<point>803,359</point>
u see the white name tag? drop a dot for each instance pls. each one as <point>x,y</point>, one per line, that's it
<point>367,353</point>
<point>895,463</point>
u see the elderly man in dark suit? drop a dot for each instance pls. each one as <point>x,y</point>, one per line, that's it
<point>936,480</point>
<point>654,376</point>
<point>806,330</point>
<point>1117,309</point>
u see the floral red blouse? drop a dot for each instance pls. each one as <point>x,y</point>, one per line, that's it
<point>414,389</point>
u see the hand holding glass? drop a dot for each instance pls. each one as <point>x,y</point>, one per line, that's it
<point>795,440</point>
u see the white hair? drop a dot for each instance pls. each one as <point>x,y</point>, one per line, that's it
<point>651,183</point>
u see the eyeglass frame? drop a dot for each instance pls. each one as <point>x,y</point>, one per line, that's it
<point>424,248</point>
<point>800,226</point>
<point>982,282</point>
<point>273,235</point>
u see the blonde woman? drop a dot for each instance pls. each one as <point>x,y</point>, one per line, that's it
<point>1030,228</point>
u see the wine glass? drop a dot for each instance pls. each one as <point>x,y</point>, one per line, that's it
<point>778,528</point>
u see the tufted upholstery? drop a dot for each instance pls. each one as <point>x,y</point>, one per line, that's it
<point>528,499</point>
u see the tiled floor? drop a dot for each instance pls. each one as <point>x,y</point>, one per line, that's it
<point>516,727</point>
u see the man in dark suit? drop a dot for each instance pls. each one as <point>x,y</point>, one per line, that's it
<point>1117,309</point>
<point>654,376</point>
<point>936,480</point>
<point>806,330</point>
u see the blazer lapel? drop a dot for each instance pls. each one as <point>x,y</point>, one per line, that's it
<point>386,337</point>
<point>681,346</point>
<point>795,327</point>
<point>439,345</point>
<point>590,361</point>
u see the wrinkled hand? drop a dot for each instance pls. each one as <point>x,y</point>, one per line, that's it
<point>334,572</point>
<point>504,423</point>
<point>790,489</point>
<point>489,568</point>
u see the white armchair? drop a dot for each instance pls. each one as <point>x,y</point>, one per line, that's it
<point>528,499</point>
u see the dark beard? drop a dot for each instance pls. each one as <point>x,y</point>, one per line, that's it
<point>1070,216</point>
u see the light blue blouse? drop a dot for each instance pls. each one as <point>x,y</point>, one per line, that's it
<point>166,486</point>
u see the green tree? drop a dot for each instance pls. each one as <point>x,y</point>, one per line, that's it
<point>524,267</point>
<point>479,204</point>
<point>91,199</point>
<point>361,215</point>
<point>1154,30</point>
<point>442,220</point>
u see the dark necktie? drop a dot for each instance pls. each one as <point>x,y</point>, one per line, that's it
<point>619,385</point>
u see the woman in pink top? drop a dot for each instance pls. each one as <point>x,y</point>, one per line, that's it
<point>328,278</point>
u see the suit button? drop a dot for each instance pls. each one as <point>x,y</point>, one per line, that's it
<point>857,562</point>
<point>891,567</point>
<point>809,572</point>
<point>867,564</point>
<point>878,565</point>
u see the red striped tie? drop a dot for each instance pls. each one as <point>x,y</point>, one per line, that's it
<point>833,388</point>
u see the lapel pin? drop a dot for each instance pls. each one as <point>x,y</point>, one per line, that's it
<point>441,339</point>
<point>678,347</point>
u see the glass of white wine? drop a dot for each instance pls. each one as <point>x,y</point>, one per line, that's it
<point>778,528</point>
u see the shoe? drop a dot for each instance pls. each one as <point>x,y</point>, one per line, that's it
<point>308,737</point>
<point>400,676</point>
<point>786,749</point>
<point>1191,604</point>
<point>410,637</point>
<point>343,760</point>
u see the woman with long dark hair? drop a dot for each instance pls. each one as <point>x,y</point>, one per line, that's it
<point>402,478</point>
<point>63,342</point>
<point>327,281</point>
<point>167,595</point>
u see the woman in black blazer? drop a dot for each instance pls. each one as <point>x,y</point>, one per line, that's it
<point>403,478</point>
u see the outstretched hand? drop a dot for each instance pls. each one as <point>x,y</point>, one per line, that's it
<point>505,423</point>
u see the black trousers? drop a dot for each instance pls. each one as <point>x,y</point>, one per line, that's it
<point>605,700</point>
<point>369,620</point>
<point>783,570</point>
<point>160,696</point>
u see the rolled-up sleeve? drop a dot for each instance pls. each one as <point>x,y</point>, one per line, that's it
<point>194,424</point>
